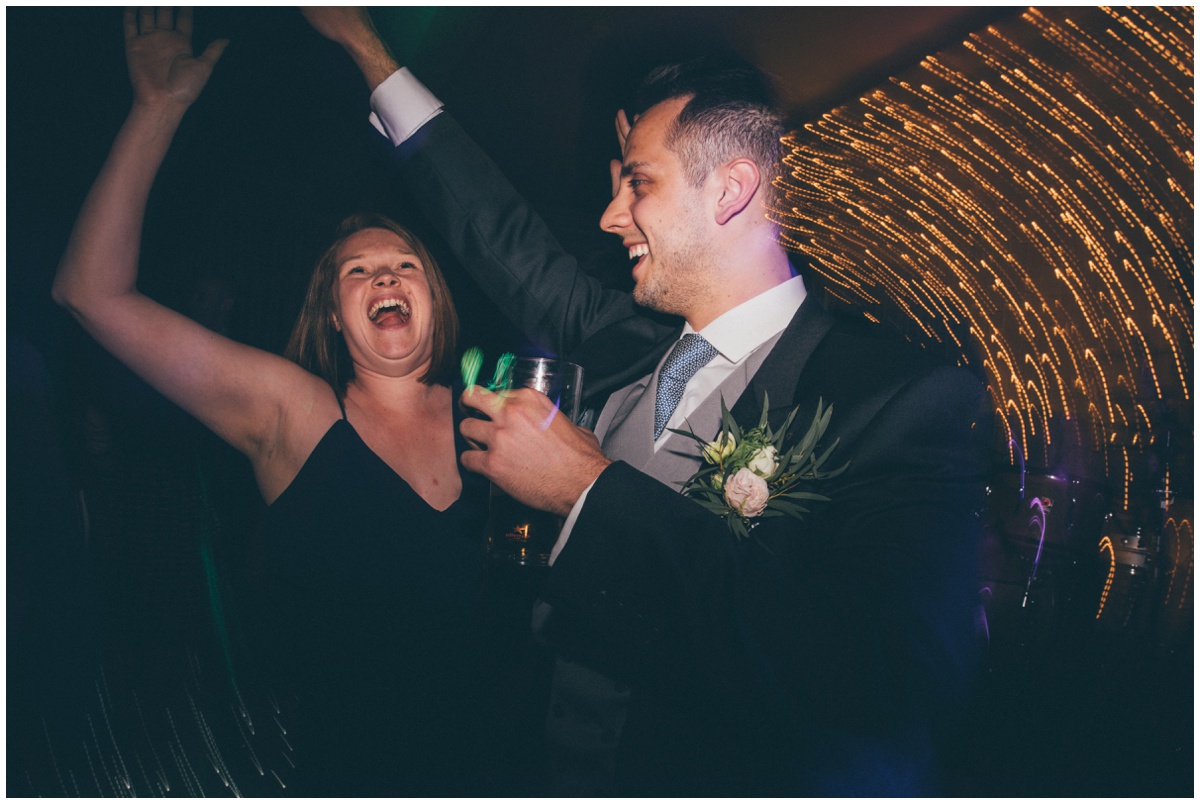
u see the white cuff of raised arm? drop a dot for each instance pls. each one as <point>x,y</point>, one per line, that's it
<point>569,523</point>
<point>401,105</point>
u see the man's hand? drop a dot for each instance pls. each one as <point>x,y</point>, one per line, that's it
<point>529,449</point>
<point>351,27</point>
<point>345,25</point>
<point>158,50</point>
<point>623,129</point>
<point>614,166</point>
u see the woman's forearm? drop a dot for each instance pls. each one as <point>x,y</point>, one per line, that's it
<point>101,259</point>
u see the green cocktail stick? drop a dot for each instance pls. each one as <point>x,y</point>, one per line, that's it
<point>472,362</point>
<point>503,376</point>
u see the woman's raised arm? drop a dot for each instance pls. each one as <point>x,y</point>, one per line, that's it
<point>237,391</point>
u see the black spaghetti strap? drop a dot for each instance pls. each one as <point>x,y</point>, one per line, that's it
<point>341,404</point>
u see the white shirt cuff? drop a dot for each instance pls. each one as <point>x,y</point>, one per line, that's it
<point>569,523</point>
<point>401,105</point>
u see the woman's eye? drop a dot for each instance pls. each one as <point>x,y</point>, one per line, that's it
<point>409,265</point>
<point>358,269</point>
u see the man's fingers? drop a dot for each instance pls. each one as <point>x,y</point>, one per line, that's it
<point>622,128</point>
<point>472,460</point>
<point>130,21</point>
<point>475,431</point>
<point>481,399</point>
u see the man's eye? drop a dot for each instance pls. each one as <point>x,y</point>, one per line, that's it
<point>636,183</point>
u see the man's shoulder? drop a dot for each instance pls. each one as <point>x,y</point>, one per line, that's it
<point>885,350</point>
<point>860,360</point>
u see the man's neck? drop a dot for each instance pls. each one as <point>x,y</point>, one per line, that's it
<point>750,274</point>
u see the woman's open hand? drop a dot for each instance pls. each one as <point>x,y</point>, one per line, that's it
<point>158,50</point>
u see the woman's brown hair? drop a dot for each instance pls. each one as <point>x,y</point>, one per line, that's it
<point>318,347</point>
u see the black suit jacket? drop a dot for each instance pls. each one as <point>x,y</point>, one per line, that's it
<point>825,656</point>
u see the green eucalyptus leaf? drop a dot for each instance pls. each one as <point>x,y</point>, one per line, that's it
<point>728,424</point>
<point>795,464</point>
<point>739,528</point>
<point>690,435</point>
<point>789,508</point>
<point>807,495</point>
<point>781,434</point>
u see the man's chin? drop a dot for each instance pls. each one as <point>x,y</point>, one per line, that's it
<point>643,294</point>
<point>652,297</point>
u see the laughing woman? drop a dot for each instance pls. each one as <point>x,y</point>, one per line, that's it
<point>367,565</point>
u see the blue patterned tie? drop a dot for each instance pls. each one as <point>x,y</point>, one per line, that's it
<point>690,354</point>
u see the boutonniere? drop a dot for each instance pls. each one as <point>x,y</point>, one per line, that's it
<point>753,475</point>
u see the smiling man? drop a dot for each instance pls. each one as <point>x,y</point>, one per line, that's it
<point>825,655</point>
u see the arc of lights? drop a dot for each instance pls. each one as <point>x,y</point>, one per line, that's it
<point>1025,198</point>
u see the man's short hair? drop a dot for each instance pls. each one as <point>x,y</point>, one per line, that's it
<point>732,112</point>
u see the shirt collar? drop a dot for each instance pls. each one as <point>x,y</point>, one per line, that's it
<point>738,332</point>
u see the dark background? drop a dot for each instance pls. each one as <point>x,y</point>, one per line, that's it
<point>275,152</point>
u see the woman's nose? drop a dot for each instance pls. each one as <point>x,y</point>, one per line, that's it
<point>386,278</point>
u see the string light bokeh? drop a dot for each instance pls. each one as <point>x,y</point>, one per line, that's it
<point>1025,201</point>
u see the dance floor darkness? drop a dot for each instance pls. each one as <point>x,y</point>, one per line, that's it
<point>1012,188</point>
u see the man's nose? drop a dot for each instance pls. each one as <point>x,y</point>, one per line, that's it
<point>616,217</point>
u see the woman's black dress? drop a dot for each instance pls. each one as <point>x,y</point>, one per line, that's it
<point>362,615</point>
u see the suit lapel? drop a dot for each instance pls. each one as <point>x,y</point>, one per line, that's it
<point>780,372</point>
<point>624,426</point>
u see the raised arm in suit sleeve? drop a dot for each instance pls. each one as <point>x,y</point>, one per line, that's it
<point>506,247</point>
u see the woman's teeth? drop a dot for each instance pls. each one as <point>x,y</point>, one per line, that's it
<point>387,304</point>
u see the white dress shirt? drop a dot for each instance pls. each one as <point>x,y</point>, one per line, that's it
<point>735,334</point>
<point>401,105</point>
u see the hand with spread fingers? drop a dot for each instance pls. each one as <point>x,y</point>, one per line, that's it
<point>158,50</point>
<point>529,449</point>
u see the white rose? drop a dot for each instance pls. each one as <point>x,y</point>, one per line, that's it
<point>765,462</point>
<point>720,449</point>
<point>747,493</point>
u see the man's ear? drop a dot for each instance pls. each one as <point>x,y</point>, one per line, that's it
<point>739,183</point>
